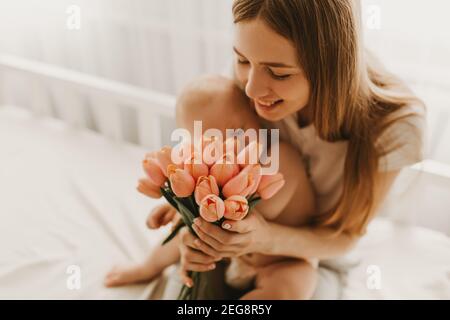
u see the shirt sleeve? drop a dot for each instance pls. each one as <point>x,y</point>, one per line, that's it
<point>403,141</point>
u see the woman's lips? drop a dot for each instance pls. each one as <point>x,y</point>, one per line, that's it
<point>265,105</point>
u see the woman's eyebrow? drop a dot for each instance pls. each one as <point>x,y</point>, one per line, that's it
<point>270,64</point>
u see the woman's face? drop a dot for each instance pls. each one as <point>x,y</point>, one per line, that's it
<point>266,66</point>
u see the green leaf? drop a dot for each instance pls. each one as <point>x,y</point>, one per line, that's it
<point>186,214</point>
<point>193,205</point>
<point>184,293</point>
<point>253,202</point>
<point>166,194</point>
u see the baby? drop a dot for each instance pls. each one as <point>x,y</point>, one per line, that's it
<point>220,104</point>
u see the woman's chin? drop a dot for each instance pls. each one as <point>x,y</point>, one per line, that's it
<point>271,115</point>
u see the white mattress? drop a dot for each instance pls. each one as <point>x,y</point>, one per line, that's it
<point>67,197</point>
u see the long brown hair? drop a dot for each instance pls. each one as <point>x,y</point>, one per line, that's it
<point>352,98</point>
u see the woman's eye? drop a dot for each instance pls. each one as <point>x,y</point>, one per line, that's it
<point>242,61</point>
<point>279,77</point>
<point>272,74</point>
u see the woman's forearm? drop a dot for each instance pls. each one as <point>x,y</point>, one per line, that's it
<point>310,242</point>
<point>307,242</point>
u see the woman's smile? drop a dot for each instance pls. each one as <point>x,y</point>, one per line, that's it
<point>267,68</point>
<point>267,107</point>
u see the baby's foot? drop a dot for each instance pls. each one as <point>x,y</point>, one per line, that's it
<point>122,275</point>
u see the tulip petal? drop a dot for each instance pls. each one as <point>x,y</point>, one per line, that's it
<point>212,208</point>
<point>151,190</point>
<point>182,183</point>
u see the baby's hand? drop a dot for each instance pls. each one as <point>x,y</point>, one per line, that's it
<point>162,215</point>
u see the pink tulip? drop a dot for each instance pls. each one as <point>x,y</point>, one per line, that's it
<point>270,185</point>
<point>181,181</point>
<point>233,145</point>
<point>195,166</point>
<point>236,208</point>
<point>153,171</point>
<point>212,151</point>
<point>182,152</point>
<point>164,159</point>
<point>212,208</point>
<point>224,169</point>
<point>250,154</point>
<point>205,141</point>
<point>245,183</point>
<point>147,187</point>
<point>205,186</point>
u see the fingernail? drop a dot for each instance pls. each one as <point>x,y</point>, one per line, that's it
<point>226,226</point>
<point>197,221</point>
<point>212,266</point>
<point>188,284</point>
<point>197,243</point>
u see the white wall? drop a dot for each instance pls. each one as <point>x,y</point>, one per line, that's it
<point>148,43</point>
<point>160,45</point>
<point>414,42</point>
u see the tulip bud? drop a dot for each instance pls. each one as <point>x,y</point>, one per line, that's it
<point>245,183</point>
<point>151,190</point>
<point>205,186</point>
<point>154,171</point>
<point>212,208</point>
<point>236,208</point>
<point>181,182</point>
<point>224,169</point>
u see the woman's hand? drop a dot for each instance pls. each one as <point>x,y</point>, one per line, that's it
<point>214,243</point>
<point>233,238</point>
<point>191,259</point>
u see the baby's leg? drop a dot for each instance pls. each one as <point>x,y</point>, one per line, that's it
<point>287,280</point>
<point>160,258</point>
<point>294,204</point>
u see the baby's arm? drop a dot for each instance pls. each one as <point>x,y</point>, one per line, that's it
<point>162,215</point>
<point>168,254</point>
<point>294,204</point>
<point>163,256</point>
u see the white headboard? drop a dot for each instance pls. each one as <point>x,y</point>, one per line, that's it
<point>117,110</point>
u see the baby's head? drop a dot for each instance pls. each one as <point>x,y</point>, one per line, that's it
<point>217,102</point>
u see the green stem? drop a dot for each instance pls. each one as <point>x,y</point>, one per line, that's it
<point>177,228</point>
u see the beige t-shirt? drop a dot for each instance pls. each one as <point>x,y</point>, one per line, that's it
<point>324,161</point>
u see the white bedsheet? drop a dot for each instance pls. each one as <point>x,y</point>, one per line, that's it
<point>67,197</point>
<point>413,263</point>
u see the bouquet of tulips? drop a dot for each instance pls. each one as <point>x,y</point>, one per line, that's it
<point>216,185</point>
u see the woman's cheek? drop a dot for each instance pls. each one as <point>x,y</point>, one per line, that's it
<point>239,77</point>
<point>296,93</point>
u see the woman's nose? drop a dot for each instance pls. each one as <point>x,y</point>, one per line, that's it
<point>256,86</point>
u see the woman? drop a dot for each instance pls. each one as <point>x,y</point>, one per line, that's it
<point>302,65</point>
